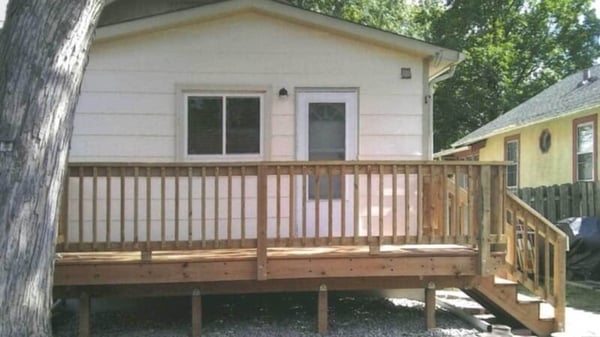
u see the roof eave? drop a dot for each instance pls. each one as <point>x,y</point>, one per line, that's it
<point>511,128</point>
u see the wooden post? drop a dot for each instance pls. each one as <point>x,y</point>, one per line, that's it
<point>196,313</point>
<point>261,235</point>
<point>430,306</point>
<point>322,310</point>
<point>146,255</point>
<point>485,220</point>
<point>84,315</point>
<point>560,282</point>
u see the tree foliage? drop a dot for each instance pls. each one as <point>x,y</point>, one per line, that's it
<point>514,48</point>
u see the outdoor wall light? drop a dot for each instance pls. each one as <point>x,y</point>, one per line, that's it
<point>283,93</point>
<point>405,73</point>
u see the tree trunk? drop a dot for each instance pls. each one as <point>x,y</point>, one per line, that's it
<point>43,54</point>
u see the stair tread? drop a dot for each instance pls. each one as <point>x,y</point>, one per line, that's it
<point>522,298</point>
<point>503,281</point>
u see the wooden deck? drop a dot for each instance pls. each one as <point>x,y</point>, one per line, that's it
<point>194,229</point>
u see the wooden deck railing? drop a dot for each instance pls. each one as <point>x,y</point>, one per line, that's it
<point>166,206</point>
<point>536,254</point>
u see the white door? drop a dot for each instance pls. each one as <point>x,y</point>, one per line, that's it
<point>326,130</point>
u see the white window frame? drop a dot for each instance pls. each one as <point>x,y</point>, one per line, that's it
<point>224,157</point>
<point>515,140</point>
<point>577,127</point>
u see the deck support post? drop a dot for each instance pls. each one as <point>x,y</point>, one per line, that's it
<point>196,313</point>
<point>322,310</point>
<point>84,314</point>
<point>430,306</point>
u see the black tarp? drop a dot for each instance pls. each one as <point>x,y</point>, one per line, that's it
<point>583,257</point>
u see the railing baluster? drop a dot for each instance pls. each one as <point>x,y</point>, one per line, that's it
<point>136,210</point>
<point>80,207</point>
<point>190,212</point>
<point>419,204</point>
<point>291,206</point>
<point>108,206</point>
<point>216,210</point>
<point>446,220</point>
<point>176,197</point>
<point>122,205</point>
<point>380,215</point>
<point>162,207</point>
<point>203,206</point>
<point>317,192</point>
<point>229,206</point>
<point>64,214</point>
<point>95,208</point>
<point>394,204</point>
<point>356,205</point>
<point>148,207</point>
<point>304,199</point>
<point>471,223</point>
<point>278,202</point>
<point>369,228</point>
<point>243,206</point>
<point>536,259</point>
<point>546,262</point>
<point>343,201</point>
<point>406,203</point>
<point>329,205</point>
<point>457,223</point>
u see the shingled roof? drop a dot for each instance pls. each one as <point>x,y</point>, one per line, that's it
<point>567,96</point>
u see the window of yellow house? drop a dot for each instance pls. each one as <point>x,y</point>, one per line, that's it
<point>512,155</point>
<point>584,148</point>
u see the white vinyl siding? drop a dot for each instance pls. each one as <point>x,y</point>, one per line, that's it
<point>134,81</point>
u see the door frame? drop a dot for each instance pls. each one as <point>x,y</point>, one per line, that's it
<point>348,96</point>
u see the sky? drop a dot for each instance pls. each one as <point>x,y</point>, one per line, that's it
<point>4,2</point>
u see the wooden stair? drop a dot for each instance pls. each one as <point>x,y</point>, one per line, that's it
<point>501,298</point>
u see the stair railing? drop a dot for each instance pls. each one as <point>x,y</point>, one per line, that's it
<point>536,254</point>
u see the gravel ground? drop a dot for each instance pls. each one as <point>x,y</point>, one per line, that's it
<point>286,315</point>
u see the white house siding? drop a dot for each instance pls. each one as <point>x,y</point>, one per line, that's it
<point>127,109</point>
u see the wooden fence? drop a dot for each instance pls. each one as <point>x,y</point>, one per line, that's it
<point>562,201</point>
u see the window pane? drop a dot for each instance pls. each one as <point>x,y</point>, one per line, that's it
<point>243,125</point>
<point>511,175</point>
<point>512,153</point>
<point>585,166</point>
<point>326,141</point>
<point>585,138</point>
<point>205,125</point>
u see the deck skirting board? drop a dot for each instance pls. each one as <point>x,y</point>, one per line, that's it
<point>245,270</point>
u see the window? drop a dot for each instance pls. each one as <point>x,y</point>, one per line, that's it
<point>326,141</point>
<point>511,155</point>
<point>584,148</point>
<point>223,124</point>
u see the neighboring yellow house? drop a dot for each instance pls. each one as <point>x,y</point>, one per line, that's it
<point>552,138</point>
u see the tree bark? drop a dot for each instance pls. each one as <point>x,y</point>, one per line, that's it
<point>43,54</point>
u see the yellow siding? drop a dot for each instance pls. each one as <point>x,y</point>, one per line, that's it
<point>537,168</point>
